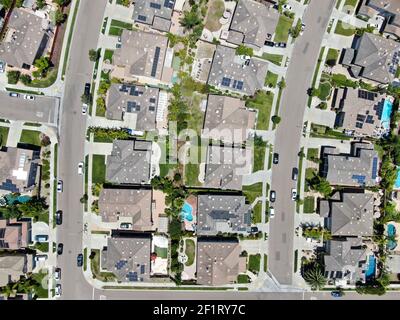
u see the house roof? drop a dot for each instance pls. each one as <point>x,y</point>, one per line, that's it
<point>225,167</point>
<point>222,213</point>
<point>128,257</point>
<point>156,13</point>
<point>142,54</point>
<point>140,100</point>
<point>227,115</point>
<point>129,162</point>
<point>14,234</point>
<point>218,261</point>
<point>12,267</point>
<point>237,73</point>
<point>26,39</point>
<point>254,20</point>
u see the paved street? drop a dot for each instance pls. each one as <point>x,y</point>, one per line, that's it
<point>42,109</point>
<point>294,100</point>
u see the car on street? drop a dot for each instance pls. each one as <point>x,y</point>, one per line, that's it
<point>118,46</point>
<point>253,229</point>
<point>14,94</point>
<point>60,249</point>
<point>294,194</point>
<point>271,212</point>
<point>79,260</point>
<point>269,43</point>
<point>29,97</point>
<point>303,26</point>
<point>58,290</point>
<point>272,196</point>
<point>2,66</point>
<point>125,225</point>
<point>41,257</point>
<point>287,7</point>
<point>280,44</point>
<point>84,109</point>
<point>119,39</point>
<point>57,274</point>
<point>87,89</point>
<point>295,173</point>
<point>275,159</point>
<point>80,168</point>
<point>59,186</point>
<point>336,294</point>
<point>59,215</point>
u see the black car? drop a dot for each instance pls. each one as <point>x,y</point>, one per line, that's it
<point>254,229</point>
<point>280,44</point>
<point>59,217</point>
<point>295,173</point>
<point>79,260</point>
<point>336,294</point>
<point>272,196</point>
<point>60,248</point>
<point>269,43</point>
<point>276,158</point>
<point>87,89</point>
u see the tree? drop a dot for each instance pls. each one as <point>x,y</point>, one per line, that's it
<point>276,119</point>
<point>45,141</point>
<point>84,198</point>
<point>60,17</point>
<point>190,18</point>
<point>25,79</point>
<point>6,3</point>
<point>321,185</point>
<point>125,3</point>
<point>175,229</point>
<point>19,3</point>
<point>42,64</point>
<point>86,98</point>
<point>282,84</point>
<point>94,55</point>
<point>13,77</point>
<point>62,3</point>
<point>242,50</point>
<point>315,278</point>
<point>40,4</point>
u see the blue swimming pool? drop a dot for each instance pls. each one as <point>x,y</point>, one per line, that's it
<point>391,231</point>
<point>370,272</point>
<point>397,182</point>
<point>386,113</point>
<point>21,199</point>
<point>187,212</point>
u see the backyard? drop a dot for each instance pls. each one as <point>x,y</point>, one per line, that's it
<point>215,10</point>
<point>98,168</point>
<point>190,251</point>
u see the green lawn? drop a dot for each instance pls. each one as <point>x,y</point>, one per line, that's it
<point>332,55</point>
<point>40,292</point>
<point>84,259</point>
<point>95,267</point>
<point>265,263</point>
<point>256,217</point>
<point>282,29</point>
<point>263,103</point>
<point>108,54</point>
<point>190,251</point>
<point>98,168</point>
<point>271,79</point>
<point>310,172</point>
<point>352,3</point>
<point>45,82</point>
<point>300,168</point>
<point>243,278</point>
<point>161,252</point>
<point>116,27</point>
<point>309,205</point>
<point>345,29</point>
<point>259,156</point>
<point>324,91</point>
<point>30,137</point>
<point>3,135</point>
<point>252,192</point>
<point>274,58</point>
<point>192,171</point>
<point>320,131</point>
<point>254,263</point>
<point>313,154</point>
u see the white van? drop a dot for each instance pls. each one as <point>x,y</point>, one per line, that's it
<point>41,257</point>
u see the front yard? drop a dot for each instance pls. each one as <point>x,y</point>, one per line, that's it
<point>309,205</point>
<point>30,137</point>
<point>345,29</point>
<point>253,264</point>
<point>98,169</point>
<point>95,267</point>
<point>262,102</point>
<point>282,29</point>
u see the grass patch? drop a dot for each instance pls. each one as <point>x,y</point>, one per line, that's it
<point>274,58</point>
<point>215,11</point>
<point>282,29</point>
<point>278,103</point>
<point>352,3</point>
<point>262,102</point>
<point>39,291</point>
<point>190,251</point>
<point>324,91</point>
<point>116,27</point>
<point>296,253</point>
<point>108,54</point>
<point>313,154</point>
<point>321,53</point>
<point>345,29</point>
<point>309,204</point>
<point>95,267</point>
<point>254,263</point>
<point>161,252</point>
<point>84,259</point>
<point>4,135</point>
<point>71,30</point>
<point>310,172</point>
<point>100,232</point>
<point>98,168</point>
<point>256,216</point>
<point>320,131</point>
<point>271,79</point>
<point>252,192</point>
<point>44,82</point>
<point>30,137</point>
<point>25,91</point>
<point>265,263</point>
<point>192,171</point>
<point>243,278</point>
<point>259,155</point>
<point>42,246</point>
<point>332,55</point>
<point>300,168</point>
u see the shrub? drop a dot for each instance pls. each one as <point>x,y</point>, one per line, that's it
<point>13,77</point>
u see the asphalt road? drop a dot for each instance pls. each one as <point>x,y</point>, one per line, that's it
<point>287,140</point>
<point>42,109</point>
<point>71,147</point>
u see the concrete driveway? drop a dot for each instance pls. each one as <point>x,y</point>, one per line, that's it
<point>40,228</point>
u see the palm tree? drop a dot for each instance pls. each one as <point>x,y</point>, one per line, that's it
<point>315,278</point>
<point>190,19</point>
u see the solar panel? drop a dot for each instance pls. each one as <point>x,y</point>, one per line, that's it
<point>120,264</point>
<point>370,119</point>
<point>155,62</point>
<point>133,91</point>
<point>359,125</point>
<point>239,85</point>
<point>360,117</point>
<point>152,108</point>
<point>155,5</point>
<point>141,18</point>
<point>152,100</point>
<point>226,82</point>
<point>370,96</point>
<point>132,276</point>
<point>169,4</point>
<point>124,88</point>
<point>374,167</point>
<point>142,269</point>
<point>360,178</point>
<point>132,106</point>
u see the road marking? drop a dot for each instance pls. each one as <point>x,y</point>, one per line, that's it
<point>103,297</point>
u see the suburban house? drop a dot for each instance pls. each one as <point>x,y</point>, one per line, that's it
<point>222,214</point>
<point>219,261</point>
<point>345,261</point>
<point>127,205</point>
<point>129,162</point>
<point>253,23</point>
<point>372,57</point>
<point>12,267</point>
<point>225,167</point>
<point>349,214</point>
<point>154,13</point>
<point>18,169</point>
<point>357,169</point>
<point>127,256</point>
<point>15,234</point>
<point>388,9</point>
<point>241,74</point>
<point>359,112</point>
<point>138,103</point>
<point>141,54</point>
<point>227,119</point>
<point>26,39</point>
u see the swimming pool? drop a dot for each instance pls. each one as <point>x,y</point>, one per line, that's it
<point>187,212</point>
<point>386,113</point>
<point>397,182</point>
<point>391,231</point>
<point>370,272</point>
<point>21,199</point>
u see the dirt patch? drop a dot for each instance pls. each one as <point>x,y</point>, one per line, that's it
<point>215,11</point>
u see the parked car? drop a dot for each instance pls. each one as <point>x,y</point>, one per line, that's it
<point>41,257</point>
<point>84,109</point>
<point>59,186</point>
<point>87,89</point>
<point>14,94</point>
<point>60,249</point>
<point>253,229</point>
<point>80,168</point>
<point>280,44</point>
<point>118,46</point>
<point>2,67</point>
<point>58,290</point>
<point>57,274</point>
<point>269,43</point>
<point>79,260</point>
<point>271,212</point>
<point>41,238</point>
<point>29,97</point>
<point>294,194</point>
<point>295,173</point>
<point>336,294</point>
<point>59,215</point>
<point>125,225</point>
<point>275,158</point>
<point>272,196</point>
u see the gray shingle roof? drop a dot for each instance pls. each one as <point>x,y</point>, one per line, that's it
<point>156,13</point>
<point>129,162</point>
<point>235,73</point>
<point>222,213</point>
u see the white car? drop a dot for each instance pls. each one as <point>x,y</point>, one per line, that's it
<point>84,109</point>
<point>80,168</point>
<point>271,212</point>
<point>287,7</point>
<point>59,186</point>
<point>2,67</point>
<point>29,97</point>
<point>294,194</point>
<point>58,290</point>
<point>57,274</point>
<point>125,225</point>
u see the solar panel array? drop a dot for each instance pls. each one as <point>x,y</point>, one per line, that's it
<point>120,264</point>
<point>169,4</point>
<point>370,119</point>
<point>132,276</point>
<point>226,82</point>
<point>155,5</point>
<point>141,18</point>
<point>155,61</point>
<point>360,178</point>
<point>366,95</point>
<point>237,84</point>
<point>374,167</point>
